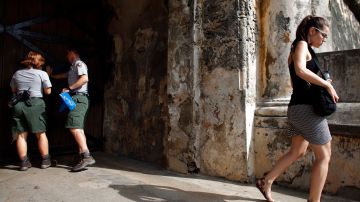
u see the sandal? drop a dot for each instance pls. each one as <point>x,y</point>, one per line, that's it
<point>260,185</point>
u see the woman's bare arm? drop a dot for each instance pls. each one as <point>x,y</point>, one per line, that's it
<point>299,58</point>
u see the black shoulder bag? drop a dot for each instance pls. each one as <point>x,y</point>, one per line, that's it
<point>321,99</point>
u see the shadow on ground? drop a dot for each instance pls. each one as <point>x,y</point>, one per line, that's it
<point>162,193</point>
<point>169,186</point>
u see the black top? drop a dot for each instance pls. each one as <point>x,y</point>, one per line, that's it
<point>301,93</point>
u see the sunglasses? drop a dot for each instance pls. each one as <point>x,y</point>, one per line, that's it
<point>323,34</point>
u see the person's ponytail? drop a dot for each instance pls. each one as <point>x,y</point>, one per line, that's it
<point>301,31</point>
<point>30,59</point>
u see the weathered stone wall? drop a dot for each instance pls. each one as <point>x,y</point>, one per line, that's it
<point>212,47</point>
<point>271,140</point>
<point>180,143</point>
<point>345,27</point>
<point>136,118</point>
<point>345,72</point>
<point>354,6</point>
<point>187,92</point>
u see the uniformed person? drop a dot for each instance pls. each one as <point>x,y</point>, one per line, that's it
<point>78,89</point>
<point>29,116</point>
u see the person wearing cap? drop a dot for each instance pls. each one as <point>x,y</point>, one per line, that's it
<point>29,116</point>
<point>78,89</point>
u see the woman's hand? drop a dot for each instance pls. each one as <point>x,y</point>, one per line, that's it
<point>332,92</point>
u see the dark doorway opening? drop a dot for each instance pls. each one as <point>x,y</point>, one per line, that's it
<point>50,27</point>
<point>123,43</point>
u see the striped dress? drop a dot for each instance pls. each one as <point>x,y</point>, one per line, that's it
<point>301,116</point>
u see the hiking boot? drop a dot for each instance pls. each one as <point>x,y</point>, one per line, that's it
<point>46,162</point>
<point>85,160</point>
<point>25,164</point>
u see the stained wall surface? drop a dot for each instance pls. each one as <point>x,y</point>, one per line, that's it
<point>136,117</point>
<point>185,94</point>
<point>212,46</point>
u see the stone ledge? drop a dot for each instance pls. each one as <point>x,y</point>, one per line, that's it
<point>345,122</point>
<point>345,130</point>
<point>271,111</point>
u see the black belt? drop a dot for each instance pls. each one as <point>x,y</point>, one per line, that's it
<point>79,93</point>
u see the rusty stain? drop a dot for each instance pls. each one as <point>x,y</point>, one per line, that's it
<point>267,88</point>
<point>286,37</point>
<point>263,15</point>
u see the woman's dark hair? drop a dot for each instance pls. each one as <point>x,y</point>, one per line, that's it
<point>305,25</point>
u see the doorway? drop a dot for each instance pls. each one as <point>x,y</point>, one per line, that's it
<point>50,27</point>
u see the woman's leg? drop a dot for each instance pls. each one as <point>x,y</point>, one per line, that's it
<point>298,149</point>
<point>21,145</point>
<point>43,144</point>
<point>319,170</point>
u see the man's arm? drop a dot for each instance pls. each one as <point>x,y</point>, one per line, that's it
<point>83,79</point>
<point>56,76</point>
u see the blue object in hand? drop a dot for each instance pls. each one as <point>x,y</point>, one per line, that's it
<point>66,102</point>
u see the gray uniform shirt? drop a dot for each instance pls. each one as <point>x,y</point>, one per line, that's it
<point>32,79</point>
<point>77,69</point>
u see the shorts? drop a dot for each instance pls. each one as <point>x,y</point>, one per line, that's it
<point>29,116</point>
<point>76,118</point>
<point>305,122</point>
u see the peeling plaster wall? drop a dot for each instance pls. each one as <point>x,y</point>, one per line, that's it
<point>345,27</point>
<point>180,144</point>
<point>136,117</point>
<point>354,6</point>
<point>185,94</point>
<point>211,66</point>
<point>344,70</point>
<point>224,136</point>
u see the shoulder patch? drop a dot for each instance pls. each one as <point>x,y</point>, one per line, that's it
<point>78,64</point>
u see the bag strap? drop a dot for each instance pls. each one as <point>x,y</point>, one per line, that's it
<point>315,58</point>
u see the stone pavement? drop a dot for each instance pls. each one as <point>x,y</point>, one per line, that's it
<point>118,179</point>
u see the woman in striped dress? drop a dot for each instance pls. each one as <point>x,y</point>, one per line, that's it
<point>305,127</point>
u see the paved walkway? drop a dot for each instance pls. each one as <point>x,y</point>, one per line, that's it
<point>114,179</point>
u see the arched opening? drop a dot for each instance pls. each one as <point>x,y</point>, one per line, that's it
<point>129,76</point>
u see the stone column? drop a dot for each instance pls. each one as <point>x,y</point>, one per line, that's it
<point>278,22</point>
<point>211,87</point>
<point>180,142</point>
